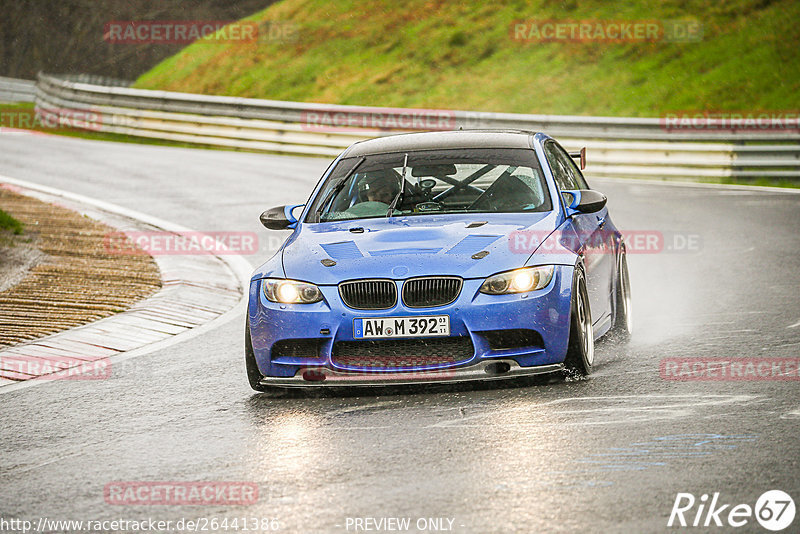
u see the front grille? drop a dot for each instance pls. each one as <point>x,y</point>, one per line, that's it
<point>431,291</point>
<point>402,353</point>
<point>369,294</point>
<point>297,348</point>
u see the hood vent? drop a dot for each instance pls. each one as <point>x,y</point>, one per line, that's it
<point>473,243</point>
<point>344,250</point>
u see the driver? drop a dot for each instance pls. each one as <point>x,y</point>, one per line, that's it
<point>380,186</point>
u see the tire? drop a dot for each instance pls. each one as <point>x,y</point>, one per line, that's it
<point>622,327</point>
<point>580,348</point>
<point>254,376</point>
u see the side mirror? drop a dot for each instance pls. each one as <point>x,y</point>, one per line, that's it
<point>280,218</point>
<point>583,201</point>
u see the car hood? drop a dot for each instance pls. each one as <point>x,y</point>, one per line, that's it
<point>404,247</point>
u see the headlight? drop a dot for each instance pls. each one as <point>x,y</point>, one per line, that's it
<point>291,292</point>
<point>518,281</point>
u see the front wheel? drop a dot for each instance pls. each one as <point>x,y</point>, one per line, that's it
<point>623,323</point>
<point>580,349</point>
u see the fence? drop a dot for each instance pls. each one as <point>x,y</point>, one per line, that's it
<point>617,146</point>
<point>14,90</point>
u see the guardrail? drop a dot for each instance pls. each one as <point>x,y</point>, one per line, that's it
<point>15,90</point>
<point>617,146</point>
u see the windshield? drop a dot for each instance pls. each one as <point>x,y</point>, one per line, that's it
<point>435,182</point>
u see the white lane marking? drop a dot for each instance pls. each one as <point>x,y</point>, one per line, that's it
<point>782,345</point>
<point>649,320</point>
<point>727,334</point>
<point>795,325</point>
<point>665,407</point>
<point>58,458</point>
<point>612,374</point>
<point>240,267</point>
<point>353,409</point>
<point>794,414</point>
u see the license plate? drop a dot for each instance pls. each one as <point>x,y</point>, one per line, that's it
<point>383,327</point>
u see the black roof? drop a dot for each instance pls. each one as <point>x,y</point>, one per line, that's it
<point>412,142</point>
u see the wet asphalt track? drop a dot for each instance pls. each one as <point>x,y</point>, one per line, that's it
<point>606,454</point>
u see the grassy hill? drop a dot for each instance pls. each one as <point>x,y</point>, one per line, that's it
<point>436,54</point>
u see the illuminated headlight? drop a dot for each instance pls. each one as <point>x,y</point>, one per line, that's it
<point>291,292</point>
<point>518,281</point>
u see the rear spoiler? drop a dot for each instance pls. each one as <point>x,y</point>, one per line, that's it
<point>581,155</point>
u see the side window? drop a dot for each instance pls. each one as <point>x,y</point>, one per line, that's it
<point>561,173</point>
<point>572,167</point>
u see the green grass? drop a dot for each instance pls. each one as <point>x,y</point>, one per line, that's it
<point>764,181</point>
<point>9,223</point>
<point>436,54</point>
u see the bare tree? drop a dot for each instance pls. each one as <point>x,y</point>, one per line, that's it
<point>67,36</point>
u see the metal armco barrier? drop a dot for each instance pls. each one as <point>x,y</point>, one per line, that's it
<point>15,90</point>
<point>617,146</point>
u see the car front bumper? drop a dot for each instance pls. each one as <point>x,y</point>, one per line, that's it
<point>482,319</point>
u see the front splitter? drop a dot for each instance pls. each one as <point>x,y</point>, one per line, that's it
<point>485,370</point>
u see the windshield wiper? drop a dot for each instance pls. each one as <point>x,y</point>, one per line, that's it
<point>400,193</point>
<point>337,188</point>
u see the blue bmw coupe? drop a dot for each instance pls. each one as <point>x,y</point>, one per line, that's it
<point>439,256</point>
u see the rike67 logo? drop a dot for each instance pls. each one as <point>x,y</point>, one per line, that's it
<point>774,510</point>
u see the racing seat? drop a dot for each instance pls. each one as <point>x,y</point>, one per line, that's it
<point>509,193</point>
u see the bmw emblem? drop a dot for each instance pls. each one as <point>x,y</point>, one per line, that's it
<point>400,270</point>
